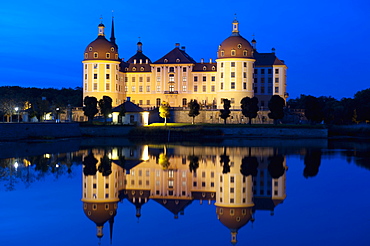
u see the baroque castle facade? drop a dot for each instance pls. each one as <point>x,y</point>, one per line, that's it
<point>239,71</point>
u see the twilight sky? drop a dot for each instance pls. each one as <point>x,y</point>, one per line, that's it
<point>325,44</point>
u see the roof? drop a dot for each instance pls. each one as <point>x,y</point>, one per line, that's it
<point>266,59</point>
<point>101,47</point>
<point>176,55</point>
<point>129,107</point>
<point>238,45</point>
<point>205,67</point>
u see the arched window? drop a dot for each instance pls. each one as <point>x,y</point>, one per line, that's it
<point>107,55</point>
<point>95,54</point>
<point>184,102</point>
<point>245,52</point>
<point>233,52</point>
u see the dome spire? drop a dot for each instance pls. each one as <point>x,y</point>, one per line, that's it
<point>139,46</point>
<point>235,31</point>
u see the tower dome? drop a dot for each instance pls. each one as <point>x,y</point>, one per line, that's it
<point>235,46</point>
<point>101,48</point>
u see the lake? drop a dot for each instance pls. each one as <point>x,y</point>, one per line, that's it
<point>109,191</point>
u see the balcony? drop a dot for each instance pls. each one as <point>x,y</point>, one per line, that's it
<point>171,92</point>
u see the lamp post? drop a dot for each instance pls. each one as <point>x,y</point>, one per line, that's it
<point>17,111</point>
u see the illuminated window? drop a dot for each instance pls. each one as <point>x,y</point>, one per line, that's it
<point>147,88</point>
<point>158,79</point>
<point>171,78</point>
<point>140,79</point>
<point>165,60</point>
<point>133,88</point>
<point>233,52</point>
<point>147,79</point>
<point>184,88</point>
<point>232,64</point>
<point>212,88</point>
<point>107,86</point>
<point>133,79</point>
<point>184,79</point>
<point>204,88</point>
<point>232,75</point>
<point>276,89</point>
<point>195,88</point>
<point>140,88</point>
<point>112,49</point>
<point>158,88</point>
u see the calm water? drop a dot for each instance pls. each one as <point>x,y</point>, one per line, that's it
<point>112,192</point>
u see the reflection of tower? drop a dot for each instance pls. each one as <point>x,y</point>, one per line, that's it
<point>234,201</point>
<point>100,197</point>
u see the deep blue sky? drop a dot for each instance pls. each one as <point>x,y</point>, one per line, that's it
<point>325,44</point>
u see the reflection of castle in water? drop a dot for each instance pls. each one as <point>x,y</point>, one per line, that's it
<point>238,180</point>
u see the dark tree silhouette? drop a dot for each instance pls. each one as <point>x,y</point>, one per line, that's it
<point>362,102</point>
<point>249,166</point>
<point>89,163</point>
<point>276,106</point>
<point>249,107</point>
<point>105,167</point>
<point>90,109</point>
<point>105,105</point>
<point>225,162</point>
<point>313,109</point>
<point>193,163</point>
<point>312,161</point>
<point>194,109</point>
<point>225,113</point>
<point>276,166</point>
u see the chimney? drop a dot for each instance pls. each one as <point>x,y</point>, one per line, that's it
<point>201,60</point>
<point>128,99</point>
<point>210,60</point>
<point>177,45</point>
<point>183,48</point>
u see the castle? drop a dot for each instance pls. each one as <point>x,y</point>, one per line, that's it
<point>239,71</point>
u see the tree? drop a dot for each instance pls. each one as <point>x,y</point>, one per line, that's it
<point>276,167</point>
<point>105,167</point>
<point>225,113</point>
<point>89,163</point>
<point>225,162</point>
<point>105,105</point>
<point>312,161</point>
<point>313,109</point>
<point>362,105</point>
<point>90,109</point>
<point>276,106</point>
<point>164,111</point>
<point>249,107</point>
<point>194,109</point>
<point>193,163</point>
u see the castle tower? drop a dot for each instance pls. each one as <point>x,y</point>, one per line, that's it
<point>234,195</point>
<point>101,67</point>
<point>234,68</point>
<point>100,192</point>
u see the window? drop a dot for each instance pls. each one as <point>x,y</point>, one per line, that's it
<point>245,64</point>
<point>107,66</point>
<point>172,87</point>
<point>232,85</point>
<point>140,88</point>
<point>85,76</point>
<point>147,79</point>
<point>95,76</point>
<point>231,190</point>
<point>232,75</point>
<point>107,76</point>
<point>195,78</point>
<point>244,75</point>
<point>107,55</point>
<point>204,68</point>
<point>262,71</point>
<point>158,79</point>
<point>212,88</point>
<point>126,79</point>
<point>213,68</point>
<point>269,80</point>
<point>204,78</point>
<point>232,179</point>
<point>276,71</point>
<point>276,89</point>
<point>158,69</point>
<point>204,88</point>
<point>184,103</point>
<point>262,80</point>
<point>184,88</point>
<point>213,78</point>
<point>232,64</point>
<point>126,88</point>
<point>255,71</point>
<point>255,90</point>
<point>184,69</point>
<point>222,75</point>
<point>244,86</point>
<point>140,79</point>
<point>140,103</point>
<point>239,46</point>
<point>134,69</point>
<point>158,102</point>
<point>269,89</point>
<point>262,89</point>
<point>269,71</point>
<point>195,88</point>
<point>133,88</point>
<point>233,52</point>
<point>147,103</point>
<point>222,64</point>
<point>171,78</point>
<point>90,48</point>
<point>184,79</point>
<point>107,86</point>
<point>147,88</point>
<point>158,88</point>
<point>172,69</point>
<point>112,49</point>
<point>222,53</point>
<point>276,80</point>
<point>95,54</point>
<point>222,86</point>
<point>133,79</point>
<point>95,86</point>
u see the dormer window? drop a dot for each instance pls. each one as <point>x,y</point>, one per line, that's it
<point>213,68</point>
<point>116,56</point>
<point>222,53</point>
<point>233,52</point>
<point>204,68</point>
<point>107,55</point>
<point>245,52</point>
<point>142,69</point>
<point>90,48</point>
<point>239,46</point>
<point>86,55</point>
<point>165,60</point>
<point>112,49</point>
<point>95,54</point>
<point>177,60</point>
<point>126,69</point>
<point>134,69</point>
